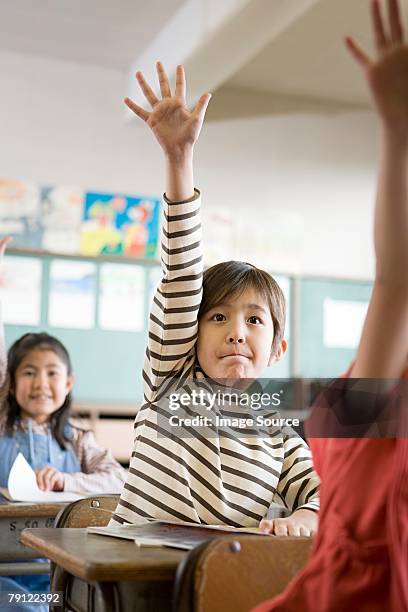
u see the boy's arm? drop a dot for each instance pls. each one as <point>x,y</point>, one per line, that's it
<point>383,348</point>
<point>173,318</point>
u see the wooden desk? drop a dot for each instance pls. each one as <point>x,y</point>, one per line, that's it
<point>104,573</point>
<point>14,517</point>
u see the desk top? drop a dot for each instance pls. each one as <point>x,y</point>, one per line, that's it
<point>102,558</point>
<point>19,509</point>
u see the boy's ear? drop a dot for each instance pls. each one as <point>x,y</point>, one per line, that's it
<point>279,352</point>
<point>70,383</point>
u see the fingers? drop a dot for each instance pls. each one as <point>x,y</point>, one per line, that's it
<point>147,90</point>
<point>201,106</point>
<point>397,32</point>
<point>356,51</point>
<point>280,527</point>
<point>266,526</point>
<point>180,83</point>
<point>304,531</point>
<point>138,110</point>
<point>3,244</point>
<point>380,37</point>
<point>49,478</point>
<point>163,81</point>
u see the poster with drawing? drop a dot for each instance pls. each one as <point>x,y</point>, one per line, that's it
<point>20,290</point>
<point>20,213</point>
<point>72,294</point>
<point>119,225</point>
<point>121,297</point>
<point>61,214</point>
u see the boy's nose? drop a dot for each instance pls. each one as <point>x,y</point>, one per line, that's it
<point>236,339</point>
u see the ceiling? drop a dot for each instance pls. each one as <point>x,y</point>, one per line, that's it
<point>276,54</point>
<point>104,32</point>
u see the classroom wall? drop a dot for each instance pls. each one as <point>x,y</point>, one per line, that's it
<point>64,123</point>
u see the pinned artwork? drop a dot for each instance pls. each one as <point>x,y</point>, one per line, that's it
<point>115,224</point>
<point>20,213</point>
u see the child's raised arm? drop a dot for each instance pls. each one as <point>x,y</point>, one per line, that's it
<point>383,348</point>
<point>173,318</point>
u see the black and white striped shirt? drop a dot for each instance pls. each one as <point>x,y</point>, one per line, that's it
<point>214,480</point>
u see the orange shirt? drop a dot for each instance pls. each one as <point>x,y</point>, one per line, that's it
<point>360,557</point>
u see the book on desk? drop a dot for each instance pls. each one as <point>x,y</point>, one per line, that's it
<point>173,534</point>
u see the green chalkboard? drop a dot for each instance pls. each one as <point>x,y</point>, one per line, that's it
<point>320,356</point>
<point>107,364</point>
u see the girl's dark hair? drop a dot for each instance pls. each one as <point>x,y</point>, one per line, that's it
<point>231,278</point>
<point>16,354</point>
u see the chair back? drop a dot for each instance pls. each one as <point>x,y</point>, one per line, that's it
<point>236,573</point>
<point>90,511</point>
<point>93,511</point>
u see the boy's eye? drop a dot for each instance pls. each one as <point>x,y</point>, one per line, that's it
<point>254,319</point>
<point>218,317</point>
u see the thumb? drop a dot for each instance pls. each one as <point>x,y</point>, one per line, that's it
<point>201,106</point>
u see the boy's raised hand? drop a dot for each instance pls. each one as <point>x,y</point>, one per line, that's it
<point>387,74</point>
<point>175,127</point>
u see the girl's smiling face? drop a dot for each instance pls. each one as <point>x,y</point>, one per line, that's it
<point>235,338</point>
<point>42,383</point>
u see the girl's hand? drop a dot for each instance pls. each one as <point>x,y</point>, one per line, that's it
<point>3,245</point>
<point>174,126</point>
<point>387,75</point>
<point>50,479</point>
<point>302,522</point>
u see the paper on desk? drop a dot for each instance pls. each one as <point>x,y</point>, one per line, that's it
<point>22,485</point>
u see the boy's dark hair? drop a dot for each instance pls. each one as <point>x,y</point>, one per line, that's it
<point>15,355</point>
<point>231,278</point>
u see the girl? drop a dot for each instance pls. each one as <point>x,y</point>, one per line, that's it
<point>34,420</point>
<point>360,558</point>
<point>223,328</point>
<point>35,396</point>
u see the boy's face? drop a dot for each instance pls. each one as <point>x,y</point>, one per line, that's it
<point>235,338</point>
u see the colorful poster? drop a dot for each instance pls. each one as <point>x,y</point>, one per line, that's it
<point>61,215</point>
<point>115,224</point>
<point>71,296</point>
<point>20,213</point>
<point>121,297</point>
<point>20,290</point>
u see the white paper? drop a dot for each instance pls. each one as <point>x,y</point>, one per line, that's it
<point>71,301</point>
<point>121,297</point>
<point>343,322</point>
<point>22,485</point>
<point>20,290</point>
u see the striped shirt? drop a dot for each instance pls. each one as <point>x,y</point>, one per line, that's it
<point>209,479</point>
